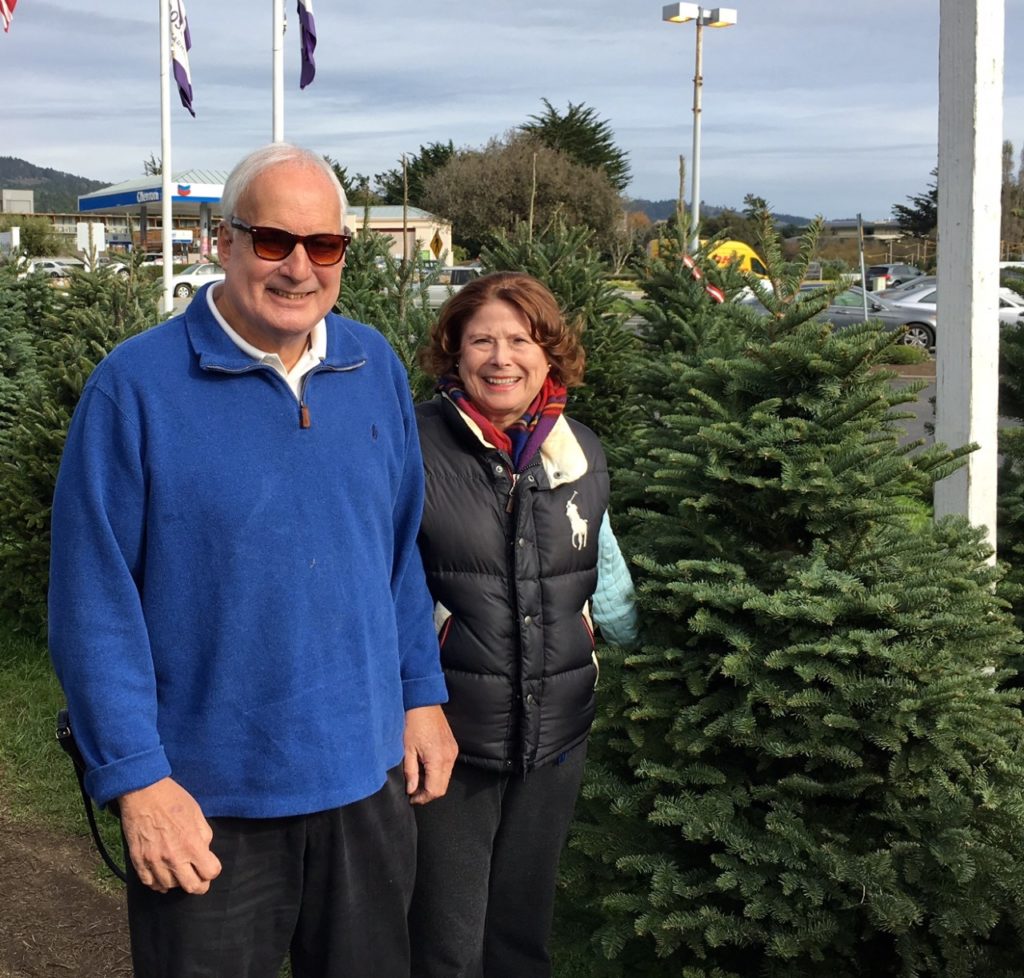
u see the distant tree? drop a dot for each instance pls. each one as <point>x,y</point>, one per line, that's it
<point>486,191</point>
<point>419,167</point>
<point>737,226</point>
<point>1012,225</point>
<point>582,136</point>
<point>356,186</point>
<point>630,236</point>
<point>37,235</point>
<point>152,167</point>
<point>921,218</point>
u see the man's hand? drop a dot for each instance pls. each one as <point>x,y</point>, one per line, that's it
<point>430,752</point>
<point>168,838</point>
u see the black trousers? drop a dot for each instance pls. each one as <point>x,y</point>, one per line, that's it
<point>331,889</point>
<point>487,866</point>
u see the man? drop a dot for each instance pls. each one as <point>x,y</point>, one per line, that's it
<point>238,613</point>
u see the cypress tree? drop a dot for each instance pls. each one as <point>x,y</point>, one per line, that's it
<point>811,764</point>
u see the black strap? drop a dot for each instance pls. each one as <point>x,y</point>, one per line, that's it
<point>66,739</point>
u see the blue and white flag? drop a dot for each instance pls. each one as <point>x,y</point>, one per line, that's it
<point>181,42</point>
<point>307,38</point>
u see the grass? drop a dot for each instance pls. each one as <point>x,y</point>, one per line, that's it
<point>38,779</point>
<point>39,783</point>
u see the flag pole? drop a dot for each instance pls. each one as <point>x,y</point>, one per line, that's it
<point>278,70</point>
<point>165,153</point>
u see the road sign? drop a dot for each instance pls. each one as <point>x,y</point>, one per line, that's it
<point>436,244</point>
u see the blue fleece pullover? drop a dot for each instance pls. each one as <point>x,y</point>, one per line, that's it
<point>236,600</point>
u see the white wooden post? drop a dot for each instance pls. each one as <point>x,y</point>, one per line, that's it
<point>971,38</point>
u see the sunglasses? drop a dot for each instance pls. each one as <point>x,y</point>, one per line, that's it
<point>274,244</point>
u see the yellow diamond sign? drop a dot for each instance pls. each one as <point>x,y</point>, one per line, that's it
<point>436,244</point>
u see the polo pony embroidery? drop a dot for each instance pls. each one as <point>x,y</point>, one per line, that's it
<point>579,524</point>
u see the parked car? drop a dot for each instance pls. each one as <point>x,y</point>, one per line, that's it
<point>847,308</point>
<point>915,283</point>
<point>56,268</point>
<point>925,300</point>
<point>111,265</point>
<point>192,279</point>
<point>448,282</point>
<point>892,274</point>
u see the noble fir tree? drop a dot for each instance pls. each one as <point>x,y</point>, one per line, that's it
<point>71,332</point>
<point>810,766</point>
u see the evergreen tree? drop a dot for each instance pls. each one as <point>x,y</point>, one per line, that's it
<point>921,218</point>
<point>381,291</point>
<point>583,137</point>
<point>418,168</point>
<point>809,766</point>
<point>1010,509</point>
<point>567,262</point>
<point>23,304</point>
<point>70,333</point>
<point>517,180</point>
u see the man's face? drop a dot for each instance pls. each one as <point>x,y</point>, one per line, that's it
<point>274,304</point>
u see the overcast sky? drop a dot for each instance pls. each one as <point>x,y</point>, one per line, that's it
<point>820,106</point>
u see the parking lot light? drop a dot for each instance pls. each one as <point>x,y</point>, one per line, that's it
<point>680,13</point>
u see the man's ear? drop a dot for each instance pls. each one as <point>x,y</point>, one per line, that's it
<point>223,244</point>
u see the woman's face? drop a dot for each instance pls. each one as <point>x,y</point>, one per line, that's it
<point>501,366</point>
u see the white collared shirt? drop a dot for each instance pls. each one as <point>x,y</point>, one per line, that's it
<point>315,352</point>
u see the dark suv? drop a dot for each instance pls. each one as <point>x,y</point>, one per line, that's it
<point>891,275</point>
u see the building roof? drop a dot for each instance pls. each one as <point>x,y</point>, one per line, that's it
<point>391,212</point>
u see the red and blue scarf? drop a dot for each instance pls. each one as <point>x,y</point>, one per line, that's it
<point>521,440</point>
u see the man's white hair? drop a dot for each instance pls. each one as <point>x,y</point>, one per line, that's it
<point>262,159</point>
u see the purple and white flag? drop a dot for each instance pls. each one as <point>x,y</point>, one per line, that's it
<point>307,38</point>
<point>181,42</point>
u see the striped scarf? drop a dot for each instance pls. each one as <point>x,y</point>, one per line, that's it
<point>521,440</point>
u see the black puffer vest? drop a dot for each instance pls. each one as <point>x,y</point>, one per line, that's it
<point>511,564</point>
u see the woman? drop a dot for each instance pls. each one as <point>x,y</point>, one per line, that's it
<point>515,541</point>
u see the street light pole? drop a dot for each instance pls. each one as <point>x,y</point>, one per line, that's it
<point>698,84</point>
<point>680,13</point>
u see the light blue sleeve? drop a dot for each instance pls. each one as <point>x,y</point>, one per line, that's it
<point>614,603</point>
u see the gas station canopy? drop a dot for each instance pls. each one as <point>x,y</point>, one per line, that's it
<point>192,189</point>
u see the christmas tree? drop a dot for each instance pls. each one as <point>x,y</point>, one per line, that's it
<point>811,765</point>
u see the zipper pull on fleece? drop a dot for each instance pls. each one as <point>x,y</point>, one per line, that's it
<point>304,416</point>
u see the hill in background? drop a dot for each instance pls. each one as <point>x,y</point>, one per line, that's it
<point>662,210</point>
<point>55,192</point>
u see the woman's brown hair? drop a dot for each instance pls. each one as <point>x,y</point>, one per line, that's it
<point>559,340</point>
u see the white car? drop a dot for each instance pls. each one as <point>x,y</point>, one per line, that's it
<point>194,278</point>
<point>55,268</point>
